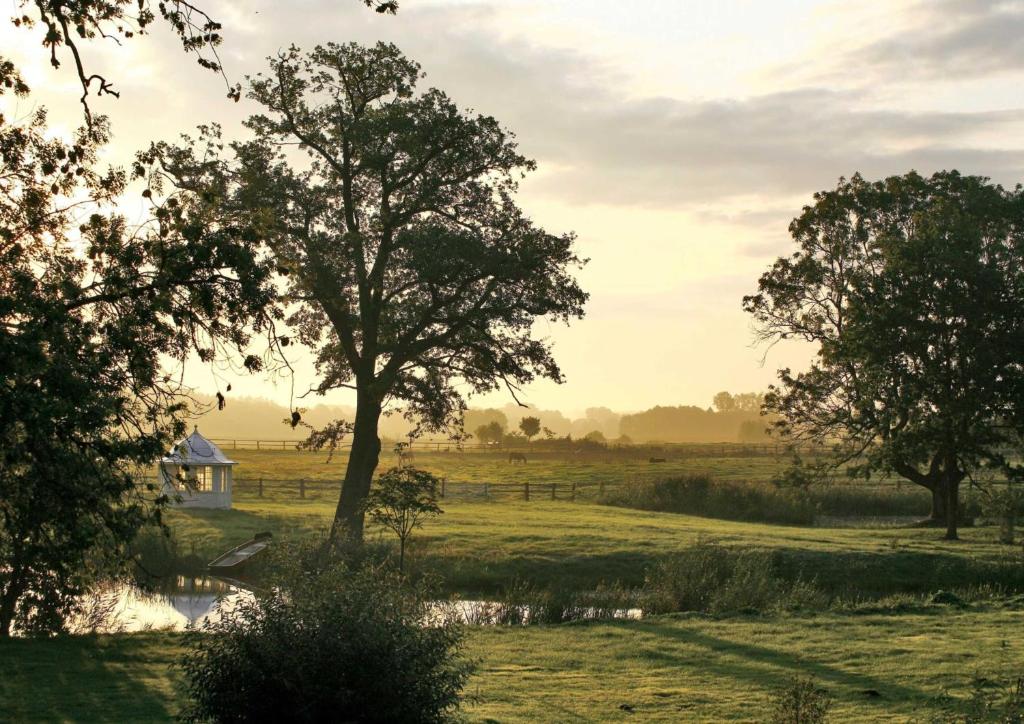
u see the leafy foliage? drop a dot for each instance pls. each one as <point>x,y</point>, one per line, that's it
<point>400,501</point>
<point>413,273</point>
<point>912,289</point>
<point>70,22</point>
<point>90,310</point>
<point>530,426</point>
<point>800,702</point>
<point>711,578</point>
<point>327,642</point>
<point>492,432</point>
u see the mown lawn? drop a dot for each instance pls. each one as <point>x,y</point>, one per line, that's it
<point>877,668</point>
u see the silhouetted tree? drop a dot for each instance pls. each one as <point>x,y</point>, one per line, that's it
<point>492,432</point>
<point>530,426</point>
<point>86,340</point>
<point>411,268</point>
<point>912,289</point>
<point>70,23</point>
<point>723,402</point>
<point>400,500</point>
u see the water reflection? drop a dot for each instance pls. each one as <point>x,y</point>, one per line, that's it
<point>124,608</point>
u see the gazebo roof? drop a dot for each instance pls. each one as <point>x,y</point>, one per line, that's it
<point>196,450</point>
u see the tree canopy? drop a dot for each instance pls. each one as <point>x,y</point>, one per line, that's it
<point>71,23</point>
<point>413,274</point>
<point>92,312</point>
<point>912,290</point>
<point>530,426</point>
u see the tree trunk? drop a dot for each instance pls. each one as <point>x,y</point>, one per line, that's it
<point>938,516</point>
<point>952,491</point>
<point>362,461</point>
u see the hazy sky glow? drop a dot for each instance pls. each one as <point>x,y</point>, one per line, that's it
<point>677,142</point>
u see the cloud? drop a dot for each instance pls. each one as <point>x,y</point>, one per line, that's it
<point>597,143</point>
<point>950,39</point>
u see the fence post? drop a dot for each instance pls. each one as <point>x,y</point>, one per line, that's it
<point>574,492</point>
<point>302,487</point>
<point>257,444</point>
<point>261,487</point>
<point>283,443</point>
<point>526,491</point>
<point>234,444</point>
<point>444,482</point>
<point>485,489</point>
<point>553,491</point>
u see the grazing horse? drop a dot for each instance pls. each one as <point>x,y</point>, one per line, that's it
<point>517,457</point>
<point>404,454</point>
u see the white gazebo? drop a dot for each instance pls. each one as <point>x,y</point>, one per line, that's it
<point>198,472</point>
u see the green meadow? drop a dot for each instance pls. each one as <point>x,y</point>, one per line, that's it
<point>898,667</point>
<point>885,649</point>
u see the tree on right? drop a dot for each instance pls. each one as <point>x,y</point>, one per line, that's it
<point>912,291</point>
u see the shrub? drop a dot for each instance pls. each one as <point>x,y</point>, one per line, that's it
<point>854,500</point>
<point>326,641</point>
<point>400,500</point>
<point>710,578</point>
<point>800,702</point>
<point>700,495</point>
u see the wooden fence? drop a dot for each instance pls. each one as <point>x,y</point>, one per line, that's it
<point>313,489</point>
<point>542,447</point>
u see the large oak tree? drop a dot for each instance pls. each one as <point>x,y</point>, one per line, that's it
<point>912,291</point>
<point>413,274</point>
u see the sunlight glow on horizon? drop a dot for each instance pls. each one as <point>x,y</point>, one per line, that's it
<point>677,142</point>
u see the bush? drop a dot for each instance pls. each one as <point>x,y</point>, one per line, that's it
<point>768,503</point>
<point>710,578</point>
<point>700,495</point>
<point>326,641</point>
<point>800,702</point>
<point>853,500</point>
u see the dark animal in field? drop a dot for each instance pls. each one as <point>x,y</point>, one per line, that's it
<point>515,457</point>
<point>404,454</point>
<point>657,460</point>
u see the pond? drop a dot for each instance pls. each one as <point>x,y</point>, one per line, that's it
<point>126,608</point>
<point>185,601</point>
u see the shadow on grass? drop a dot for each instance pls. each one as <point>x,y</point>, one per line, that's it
<point>88,678</point>
<point>767,667</point>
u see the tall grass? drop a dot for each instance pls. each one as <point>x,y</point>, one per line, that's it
<point>700,495</point>
<point>710,578</point>
<point>766,503</point>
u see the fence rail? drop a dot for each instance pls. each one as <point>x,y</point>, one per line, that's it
<point>539,447</point>
<point>317,489</point>
<point>527,490</point>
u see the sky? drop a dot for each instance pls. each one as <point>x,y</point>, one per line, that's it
<point>677,138</point>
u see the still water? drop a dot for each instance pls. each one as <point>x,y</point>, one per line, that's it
<point>123,608</point>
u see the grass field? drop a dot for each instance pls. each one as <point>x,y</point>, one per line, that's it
<point>913,653</point>
<point>478,466</point>
<point>660,669</point>
<point>479,547</point>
